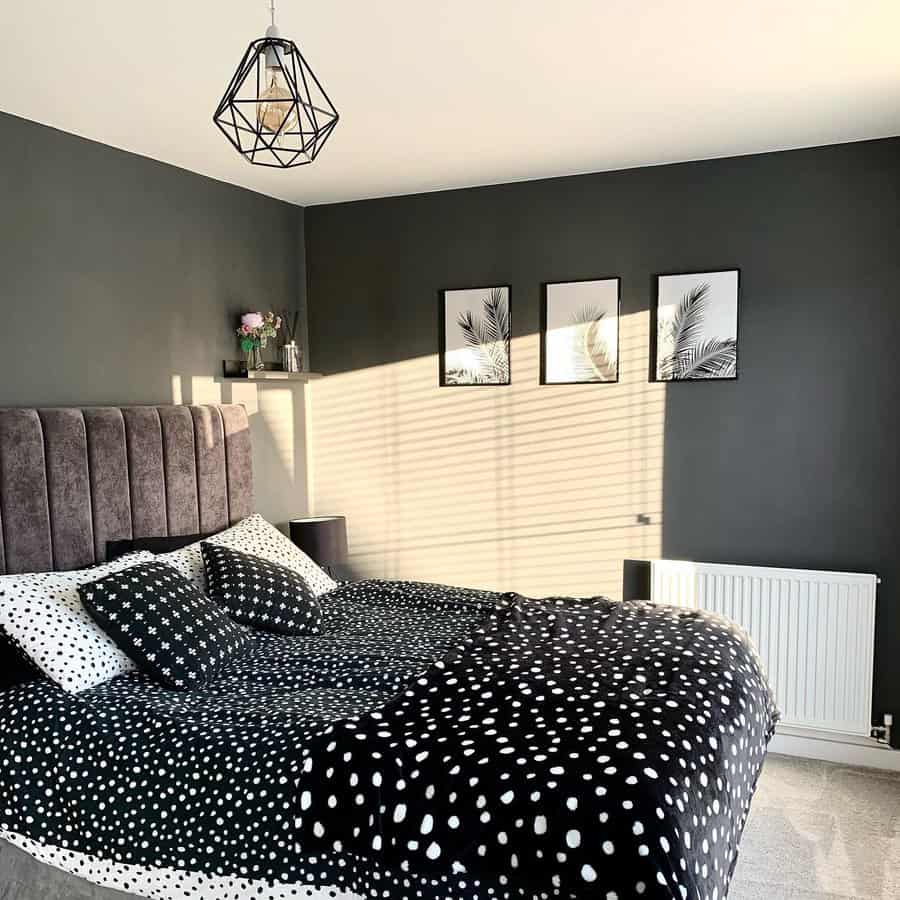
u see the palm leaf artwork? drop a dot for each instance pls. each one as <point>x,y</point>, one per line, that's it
<point>592,359</point>
<point>715,358</point>
<point>488,336</point>
<point>691,355</point>
<point>464,375</point>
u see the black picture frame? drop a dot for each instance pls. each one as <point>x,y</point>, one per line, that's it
<point>544,317</point>
<point>653,368</point>
<point>443,380</point>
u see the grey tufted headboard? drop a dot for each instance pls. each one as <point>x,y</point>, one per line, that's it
<point>73,479</point>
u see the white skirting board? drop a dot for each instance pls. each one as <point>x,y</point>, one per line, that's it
<point>847,750</point>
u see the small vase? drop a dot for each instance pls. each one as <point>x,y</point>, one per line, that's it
<point>254,359</point>
<point>290,358</point>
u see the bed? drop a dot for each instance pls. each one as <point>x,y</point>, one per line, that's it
<point>432,742</point>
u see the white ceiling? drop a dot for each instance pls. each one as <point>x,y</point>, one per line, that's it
<point>446,93</point>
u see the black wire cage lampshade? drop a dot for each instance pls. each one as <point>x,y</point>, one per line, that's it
<point>275,112</point>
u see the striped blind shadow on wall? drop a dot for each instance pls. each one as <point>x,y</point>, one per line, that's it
<point>527,487</point>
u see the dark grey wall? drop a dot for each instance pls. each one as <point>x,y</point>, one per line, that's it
<point>118,272</point>
<point>796,462</point>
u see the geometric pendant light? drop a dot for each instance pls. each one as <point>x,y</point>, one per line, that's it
<point>275,112</point>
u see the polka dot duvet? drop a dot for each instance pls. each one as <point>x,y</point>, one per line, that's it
<point>433,743</point>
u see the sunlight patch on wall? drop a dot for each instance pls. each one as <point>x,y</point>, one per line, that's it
<point>277,421</point>
<point>277,429</point>
<point>527,487</point>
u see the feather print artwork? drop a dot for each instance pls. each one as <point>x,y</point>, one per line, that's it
<point>580,337</point>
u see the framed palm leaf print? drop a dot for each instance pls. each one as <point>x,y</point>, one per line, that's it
<point>580,332</point>
<point>475,333</point>
<point>696,326</point>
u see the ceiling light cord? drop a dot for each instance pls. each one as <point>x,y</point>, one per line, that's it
<point>272,31</point>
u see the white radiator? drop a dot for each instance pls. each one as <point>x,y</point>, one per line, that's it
<point>815,633</point>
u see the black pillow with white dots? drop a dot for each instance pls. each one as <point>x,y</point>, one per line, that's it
<point>260,593</point>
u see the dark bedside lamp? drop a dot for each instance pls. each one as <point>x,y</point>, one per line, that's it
<point>323,539</point>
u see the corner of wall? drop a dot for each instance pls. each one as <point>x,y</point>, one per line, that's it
<point>302,282</point>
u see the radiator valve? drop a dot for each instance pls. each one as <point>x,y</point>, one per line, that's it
<point>883,732</point>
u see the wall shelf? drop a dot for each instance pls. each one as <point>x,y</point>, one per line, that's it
<point>234,369</point>
<point>264,375</point>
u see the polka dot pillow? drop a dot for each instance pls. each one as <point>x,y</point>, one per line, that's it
<point>253,535</point>
<point>260,593</point>
<point>41,613</point>
<point>170,628</point>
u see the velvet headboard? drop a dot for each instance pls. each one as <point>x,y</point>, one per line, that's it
<point>72,479</point>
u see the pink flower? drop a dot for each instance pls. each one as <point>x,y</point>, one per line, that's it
<point>251,320</point>
<point>246,329</point>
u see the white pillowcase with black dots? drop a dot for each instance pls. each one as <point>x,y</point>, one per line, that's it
<point>256,536</point>
<point>42,615</point>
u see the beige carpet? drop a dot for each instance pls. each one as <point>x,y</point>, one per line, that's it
<point>819,831</point>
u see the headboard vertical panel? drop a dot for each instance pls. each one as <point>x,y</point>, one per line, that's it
<point>2,549</point>
<point>238,462</point>
<point>23,492</point>
<point>212,484</point>
<point>68,488</point>
<point>108,470</point>
<point>72,479</point>
<point>143,437</point>
<point>180,459</point>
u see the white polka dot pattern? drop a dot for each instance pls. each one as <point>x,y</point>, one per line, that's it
<point>260,593</point>
<point>164,623</point>
<point>42,615</point>
<point>253,535</point>
<point>199,788</point>
<point>432,744</point>
<point>583,749</point>
<point>168,882</point>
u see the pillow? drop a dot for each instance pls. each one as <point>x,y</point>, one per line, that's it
<point>253,535</point>
<point>42,615</point>
<point>163,544</point>
<point>15,666</point>
<point>259,593</point>
<point>164,623</point>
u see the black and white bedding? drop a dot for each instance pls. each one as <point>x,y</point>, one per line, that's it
<point>432,743</point>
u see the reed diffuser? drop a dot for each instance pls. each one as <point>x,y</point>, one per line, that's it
<point>291,357</point>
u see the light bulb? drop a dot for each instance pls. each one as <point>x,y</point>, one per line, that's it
<point>276,104</point>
